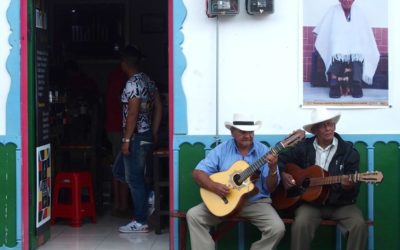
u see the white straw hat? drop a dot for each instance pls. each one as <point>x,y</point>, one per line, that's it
<point>321,115</point>
<point>243,122</point>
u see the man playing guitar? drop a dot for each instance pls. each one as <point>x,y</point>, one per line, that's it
<point>256,208</point>
<point>337,157</point>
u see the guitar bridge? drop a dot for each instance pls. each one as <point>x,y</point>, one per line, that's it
<point>295,191</point>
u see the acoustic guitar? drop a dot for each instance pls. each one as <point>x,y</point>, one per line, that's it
<point>312,185</point>
<point>237,177</point>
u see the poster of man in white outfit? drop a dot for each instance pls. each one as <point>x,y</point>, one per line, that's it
<point>349,46</point>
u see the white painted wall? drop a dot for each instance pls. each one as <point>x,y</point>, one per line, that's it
<point>5,80</point>
<point>375,11</point>
<point>260,71</point>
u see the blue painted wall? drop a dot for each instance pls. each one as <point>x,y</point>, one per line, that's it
<point>13,124</point>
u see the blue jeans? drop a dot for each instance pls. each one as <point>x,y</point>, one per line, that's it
<point>135,163</point>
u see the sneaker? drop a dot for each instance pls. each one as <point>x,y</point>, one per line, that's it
<point>134,227</point>
<point>151,203</point>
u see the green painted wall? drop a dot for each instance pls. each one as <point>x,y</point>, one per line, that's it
<point>189,156</point>
<point>8,195</point>
<point>386,198</point>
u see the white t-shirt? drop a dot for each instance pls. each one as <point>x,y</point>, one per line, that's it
<point>139,86</point>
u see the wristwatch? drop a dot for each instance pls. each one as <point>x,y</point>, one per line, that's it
<point>274,173</point>
<point>126,140</point>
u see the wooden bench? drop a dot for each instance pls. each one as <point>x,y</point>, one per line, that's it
<point>160,182</point>
<point>228,224</point>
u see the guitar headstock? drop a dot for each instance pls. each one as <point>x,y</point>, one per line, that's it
<point>293,138</point>
<point>370,177</point>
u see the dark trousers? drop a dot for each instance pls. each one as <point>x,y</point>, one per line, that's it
<point>338,68</point>
<point>308,217</point>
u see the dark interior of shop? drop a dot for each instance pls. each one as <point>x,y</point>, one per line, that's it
<point>85,38</point>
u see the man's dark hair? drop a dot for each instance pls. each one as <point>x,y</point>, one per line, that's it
<point>131,55</point>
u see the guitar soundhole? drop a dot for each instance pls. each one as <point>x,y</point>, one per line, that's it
<point>236,179</point>
<point>306,183</point>
<point>294,191</point>
<point>298,190</point>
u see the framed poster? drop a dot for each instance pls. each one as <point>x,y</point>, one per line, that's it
<point>43,185</point>
<point>345,53</point>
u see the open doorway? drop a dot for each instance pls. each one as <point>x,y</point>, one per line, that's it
<point>85,38</point>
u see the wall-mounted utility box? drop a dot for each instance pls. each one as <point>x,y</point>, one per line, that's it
<point>222,7</point>
<point>258,7</point>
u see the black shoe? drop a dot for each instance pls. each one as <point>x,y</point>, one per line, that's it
<point>356,90</point>
<point>334,91</point>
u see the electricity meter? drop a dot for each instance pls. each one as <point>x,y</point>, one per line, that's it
<point>258,7</point>
<point>222,7</point>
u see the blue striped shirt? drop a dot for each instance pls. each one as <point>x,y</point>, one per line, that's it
<point>222,157</point>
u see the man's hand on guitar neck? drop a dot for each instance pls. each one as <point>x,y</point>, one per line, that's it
<point>272,180</point>
<point>346,182</point>
<point>272,160</point>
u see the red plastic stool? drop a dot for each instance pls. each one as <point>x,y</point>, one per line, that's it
<point>73,198</point>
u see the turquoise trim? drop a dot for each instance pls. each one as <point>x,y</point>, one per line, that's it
<point>371,160</point>
<point>210,139</point>
<point>176,200</point>
<point>370,140</point>
<point>13,66</point>
<point>13,111</point>
<point>180,112</point>
<point>179,99</point>
<point>19,197</point>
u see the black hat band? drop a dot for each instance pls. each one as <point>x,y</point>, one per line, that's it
<point>243,123</point>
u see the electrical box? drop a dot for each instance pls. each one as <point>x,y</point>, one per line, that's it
<point>222,7</point>
<point>258,7</point>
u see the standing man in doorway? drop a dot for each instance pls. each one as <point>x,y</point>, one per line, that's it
<point>141,111</point>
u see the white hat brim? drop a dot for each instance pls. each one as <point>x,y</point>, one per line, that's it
<point>308,127</point>
<point>254,127</point>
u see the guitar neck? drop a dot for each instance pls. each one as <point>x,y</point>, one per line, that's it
<point>259,163</point>
<point>319,181</point>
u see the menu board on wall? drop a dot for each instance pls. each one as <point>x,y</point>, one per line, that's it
<point>42,89</point>
<point>42,118</point>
